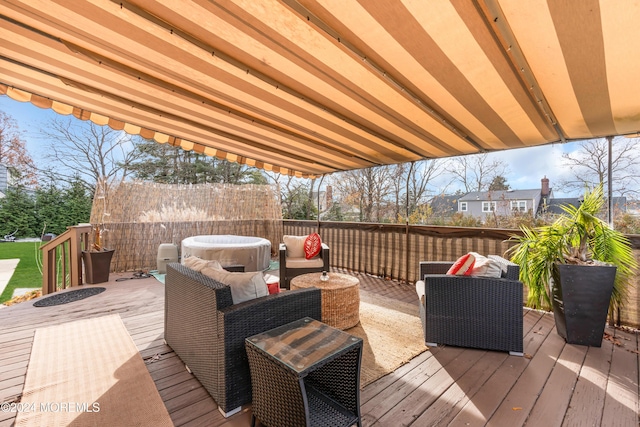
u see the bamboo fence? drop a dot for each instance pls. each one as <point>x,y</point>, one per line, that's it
<point>136,217</point>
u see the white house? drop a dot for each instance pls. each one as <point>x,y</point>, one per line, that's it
<point>504,202</point>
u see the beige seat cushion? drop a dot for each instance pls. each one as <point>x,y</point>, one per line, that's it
<point>302,262</point>
<point>244,286</point>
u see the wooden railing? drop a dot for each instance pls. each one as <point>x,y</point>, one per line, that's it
<point>395,250</point>
<point>62,259</point>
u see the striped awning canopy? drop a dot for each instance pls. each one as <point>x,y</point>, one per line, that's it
<point>307,87</point>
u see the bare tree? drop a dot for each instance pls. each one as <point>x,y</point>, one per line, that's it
<point>88,151</point>
<point>475,172</point>
<point>365,188</point>
<point>589,165</point>
<point>421,176</point>
<point>295,196</point>
<point>13,152</point>
<point>398,186</point>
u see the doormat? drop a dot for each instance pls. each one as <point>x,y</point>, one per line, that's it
<point>67,297</point>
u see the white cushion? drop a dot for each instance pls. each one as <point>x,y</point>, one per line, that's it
<point>485,267</point>
<point>304,263</point>
<point>420,290</point>
<point>244,286</point>
<point>295,246</point>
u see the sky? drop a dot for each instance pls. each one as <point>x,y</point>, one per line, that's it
<point>527,166</point>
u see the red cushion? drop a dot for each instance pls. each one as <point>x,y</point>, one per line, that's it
<point>274,288</point>
<point>312,245</point>
<point>463,266</point>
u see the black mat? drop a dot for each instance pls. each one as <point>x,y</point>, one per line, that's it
<point>67,297</point>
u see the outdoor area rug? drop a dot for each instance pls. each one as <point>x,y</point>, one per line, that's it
<point>89,373</point>
<point>392,334</point>
<point>67,297</point>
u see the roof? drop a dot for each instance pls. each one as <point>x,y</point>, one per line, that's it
<point>555,205</point>
<point>444,204</point>
<point>308,87</point>
<point>502,195</point>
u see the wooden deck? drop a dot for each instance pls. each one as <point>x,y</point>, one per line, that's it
<point>555,384</point>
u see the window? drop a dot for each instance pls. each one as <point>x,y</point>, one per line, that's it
<point>463,206</point>
<point>488,206</point>
<point>519,205</point>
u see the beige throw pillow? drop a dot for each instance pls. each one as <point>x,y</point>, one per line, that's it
<point>244,286</point>
<point>295,246</point>
<point>485,267</point>
<point>197,264</point>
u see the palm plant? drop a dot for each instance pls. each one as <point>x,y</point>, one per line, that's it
<point>578,236</point>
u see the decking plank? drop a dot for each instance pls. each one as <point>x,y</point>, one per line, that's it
<point>587,402</point>
<point>553,402</point>
<point>451,402</point>
<point>621,401</point>
<point>462,386</point>
<point>415,403</point>
<point>377,407</point>
<point>485,402</point>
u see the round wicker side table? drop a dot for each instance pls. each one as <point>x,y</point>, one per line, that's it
<point>340,297</point>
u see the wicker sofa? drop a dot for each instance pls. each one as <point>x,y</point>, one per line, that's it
<point>468,311</point>
<point>207,331</point>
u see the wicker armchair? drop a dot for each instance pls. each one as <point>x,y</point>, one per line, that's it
<point>289,270</point>
<point>468,311</point>
<point>207,331</point>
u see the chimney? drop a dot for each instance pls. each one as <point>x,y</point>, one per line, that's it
<point>545,186</point>
<point>329,197</point>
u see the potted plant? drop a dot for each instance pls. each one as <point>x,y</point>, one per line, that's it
<point>579,266</point>
<point>97,260</point>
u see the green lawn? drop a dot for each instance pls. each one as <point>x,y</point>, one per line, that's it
<point>26,274</point>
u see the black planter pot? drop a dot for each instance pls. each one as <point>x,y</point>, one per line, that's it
<point>581,295</point>
<point>97,265</point>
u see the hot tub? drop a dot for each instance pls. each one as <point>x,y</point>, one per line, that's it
<point>252,252</point>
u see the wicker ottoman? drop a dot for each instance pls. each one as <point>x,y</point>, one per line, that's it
<point>340,297</point>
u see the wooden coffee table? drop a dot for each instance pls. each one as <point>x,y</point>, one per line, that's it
<point>340,297</point>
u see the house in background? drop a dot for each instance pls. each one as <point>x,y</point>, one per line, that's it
<point>5,179</point>
<point>322,200</point>
<point>444,206</point>
<point>480,204</point>
<point>555,205</point>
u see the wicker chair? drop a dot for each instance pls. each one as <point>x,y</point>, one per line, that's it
<point>288,272</point>
<point>466,311</point>
<point>207,331</point>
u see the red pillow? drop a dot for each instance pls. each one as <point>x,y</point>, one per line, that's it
<point>312,245</point>
<point>463,266</point>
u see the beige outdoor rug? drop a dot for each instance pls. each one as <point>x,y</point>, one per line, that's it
<point>89,373</point>
<point>392,335</point>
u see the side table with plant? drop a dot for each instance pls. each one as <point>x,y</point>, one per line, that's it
<point>579,266</point>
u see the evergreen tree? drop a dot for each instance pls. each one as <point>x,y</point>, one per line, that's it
<point>49,212</point>
<point>17,213</point>
<point>166,164</point>
<point>77,204</point>
<point>334,213</point>
<point>498,183</point>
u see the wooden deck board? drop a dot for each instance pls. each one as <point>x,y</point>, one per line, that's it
<point>554,384</point>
